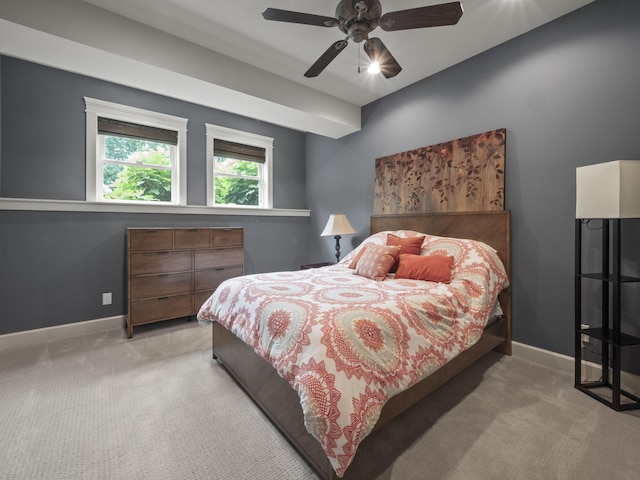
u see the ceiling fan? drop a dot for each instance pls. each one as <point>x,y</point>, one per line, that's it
<point>358,18</point>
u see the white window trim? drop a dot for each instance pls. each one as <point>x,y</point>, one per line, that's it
<point>100,108</point>
<point>39,205</point>
<point>238,136</point>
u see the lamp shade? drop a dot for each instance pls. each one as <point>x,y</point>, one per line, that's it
<point>337,225</point>
<point>608,190</point>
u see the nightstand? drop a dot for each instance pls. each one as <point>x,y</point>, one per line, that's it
<point>315,265</point>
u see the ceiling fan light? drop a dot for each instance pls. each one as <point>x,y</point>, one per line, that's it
<point>374,68</point>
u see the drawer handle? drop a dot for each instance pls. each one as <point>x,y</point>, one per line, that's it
<point>152,231</point>
<point>227,229</point>
<point>163,275</point>
<point>163,298</point>
<point>219,268</point>
<point>192,229</point>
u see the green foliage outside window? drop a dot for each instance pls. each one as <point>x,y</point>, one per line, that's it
<point>237,182</point>
<point>241,187</point>
<point>133,182</point>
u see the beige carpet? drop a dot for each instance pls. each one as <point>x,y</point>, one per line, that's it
<point>157,407</point>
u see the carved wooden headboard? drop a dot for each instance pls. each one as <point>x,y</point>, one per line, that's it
<point>464,175</point>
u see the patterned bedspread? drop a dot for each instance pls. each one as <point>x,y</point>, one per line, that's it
<point>346,343</point>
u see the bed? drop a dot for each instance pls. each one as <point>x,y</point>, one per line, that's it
<point>273,392</point>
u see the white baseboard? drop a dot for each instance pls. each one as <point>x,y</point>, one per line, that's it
<point>565,363</point>
<point>547,358</point>
<point>68,330</point>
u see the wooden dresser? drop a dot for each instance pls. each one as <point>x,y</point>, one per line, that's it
<point>172,271</point>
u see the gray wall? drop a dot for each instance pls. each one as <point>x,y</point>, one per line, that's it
<point>47,105</point>
<point>54,266</point>
<point>567,94</point>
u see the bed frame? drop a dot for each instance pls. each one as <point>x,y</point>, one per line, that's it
<point>281,403</point>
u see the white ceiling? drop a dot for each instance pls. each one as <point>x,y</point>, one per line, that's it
<point>236,28</point>
<point>222,54</point>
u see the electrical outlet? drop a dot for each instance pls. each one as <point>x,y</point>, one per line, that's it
<point>584,338</point>
<point>106,298</point>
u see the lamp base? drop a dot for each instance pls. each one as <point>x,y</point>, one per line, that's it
<point>337,237</point>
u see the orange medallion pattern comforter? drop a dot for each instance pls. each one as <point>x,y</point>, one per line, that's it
<point>346,343</point>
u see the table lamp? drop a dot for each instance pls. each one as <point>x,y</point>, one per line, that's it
<point>337,225</point>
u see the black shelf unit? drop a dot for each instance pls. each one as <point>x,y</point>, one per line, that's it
<point>607,389</point>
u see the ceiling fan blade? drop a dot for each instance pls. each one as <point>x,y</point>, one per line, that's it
<point>377,52</point>
<point>431,16</point>
<point>298,17</point>
<point>325,59</point>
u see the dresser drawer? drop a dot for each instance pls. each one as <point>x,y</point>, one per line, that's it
<point>171,272</point>
<point>160,285</point>
<point>222,257</point>
<point>150,239</point>
<point>210,279</point>
<point>226,237</point>
<point>191,238</point>
<point>147,311</point>
<point>159,262</point>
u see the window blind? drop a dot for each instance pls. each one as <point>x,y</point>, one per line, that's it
<point>239,151</point>
<point>118,128</point>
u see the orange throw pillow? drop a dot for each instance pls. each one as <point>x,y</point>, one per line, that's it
<point>357,258</point>
<point>409,246</point>
<point>433,268</point>
<point>376,261</point>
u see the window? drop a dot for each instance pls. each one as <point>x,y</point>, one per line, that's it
<point>134,155</point>
<point>239,168</point>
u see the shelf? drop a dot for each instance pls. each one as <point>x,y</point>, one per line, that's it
<point>608,390</point>
<point>607,336</point>
<point>604,393</point>
<point>608,277</point>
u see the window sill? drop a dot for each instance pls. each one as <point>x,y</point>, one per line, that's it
<point>29,204</point>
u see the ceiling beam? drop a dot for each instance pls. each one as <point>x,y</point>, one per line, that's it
<point>151,60</point>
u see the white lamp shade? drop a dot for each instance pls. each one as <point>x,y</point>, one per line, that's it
<point>608,190</point>
<point>337,225</point>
